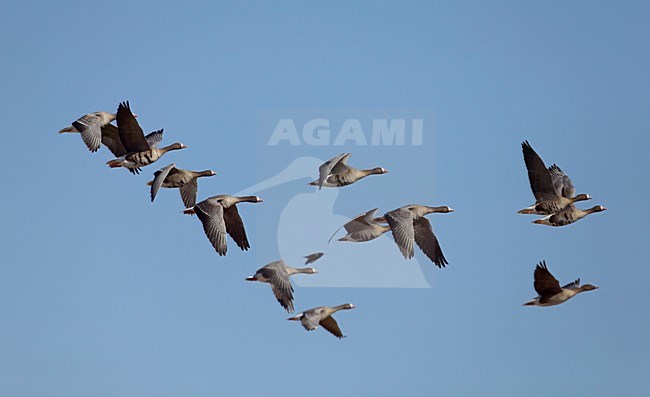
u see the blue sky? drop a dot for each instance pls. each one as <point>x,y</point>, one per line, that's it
<point>103,293</point>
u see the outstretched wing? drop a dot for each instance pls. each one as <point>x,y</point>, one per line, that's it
<point>235,227</point>
<point>129,130</point>
<point>111,139</point>
<point>332,326</point>
<point>210,214</point>
<point>159,178</point>
<point>573,285</point>
<point>562,184</point>
<point>538,175</point>
<point>428,243</point>
<point>545,283</point>
<point>326,168</point>
<point>401,224</point>
<point>154,138</point>
<point>90,128</point>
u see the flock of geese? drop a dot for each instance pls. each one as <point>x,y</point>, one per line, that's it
<point>553,190</point>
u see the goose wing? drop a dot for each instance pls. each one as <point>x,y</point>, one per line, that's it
<point>154,138</point>
<point>129,130</point>
<point>211,215</point>
<point>188,192</point>
<point>562,184</point>
<point>90,128</point>
<point>326,168</point>
<point>538,175</point>
<point>278,277</point>
<point>235,227</point>
<point>572,285</point>
<point>428,243</point>
<point>401,224</point>
<point>111,139</point>
<point>159,178</point>
<point>311,258</point>
<point>332,326</point>
<point>545,283</point>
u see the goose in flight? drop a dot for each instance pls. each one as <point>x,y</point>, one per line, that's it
<point>311,258</point>
<point>185,180</point>
<point>568,215</point>
<point>364,227</point>
<point>553,190</point>
<point>409,226</point>
<point>92,128</point>
<point>140,152</point>
<point>219,216</point>
<point>277,274</point>
<point>322,315</point>
<point>549,290</point>
<point>337,173</point>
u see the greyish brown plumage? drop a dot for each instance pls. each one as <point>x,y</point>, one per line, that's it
<point>362,228</point>
<point>337,173</point>
<point>322,315</point>
<point>553,190</point>
<point>185,180</point>
<point>277,274</point>
<point>568,215</point>
<point>549,290</point>
<point>139,151</point>
<point>92,127</point>
<point>409,227</point>
<point>219,216</point>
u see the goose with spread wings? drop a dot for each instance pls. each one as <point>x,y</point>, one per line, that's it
<point>139,151</point>
<point>553,190</point>
<point>337,173</point>
<point>409,227</point>
<point>220,217</point>
<point>322,316</point>
<point>93,127</point>
<point>549,290</point>
<point>185,180</point>
<point>364,227</point>
<point>277,274</point>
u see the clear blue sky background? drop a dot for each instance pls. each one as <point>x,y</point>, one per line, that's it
<point>104,294</point>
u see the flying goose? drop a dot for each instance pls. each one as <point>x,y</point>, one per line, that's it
<point>364,227</point>
<point>277,274</point>
<point>311,258</point>
<point>219,215</point>
<point>337,173</point>
<point>91,126</point>
<point>549,290</point>
<point>544,183</point>
<point>322,315</point>
<point>409,226</point>
<point>568,215</point>
<point>139,151</point>
<point>184,180</point>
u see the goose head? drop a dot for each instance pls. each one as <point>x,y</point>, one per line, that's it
<point>379,170</point>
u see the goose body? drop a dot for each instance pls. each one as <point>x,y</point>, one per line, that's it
<point>337,173</point>
<point>220,217</point>
<point>364,227</point>
<point>322,316</point>
<point>277,274</point>
<point>567,216</point>
<point>185,180</point>
<point>409,226</point>
<point>138,150</point>
<point>552,188</point>
<point>549,290</point>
